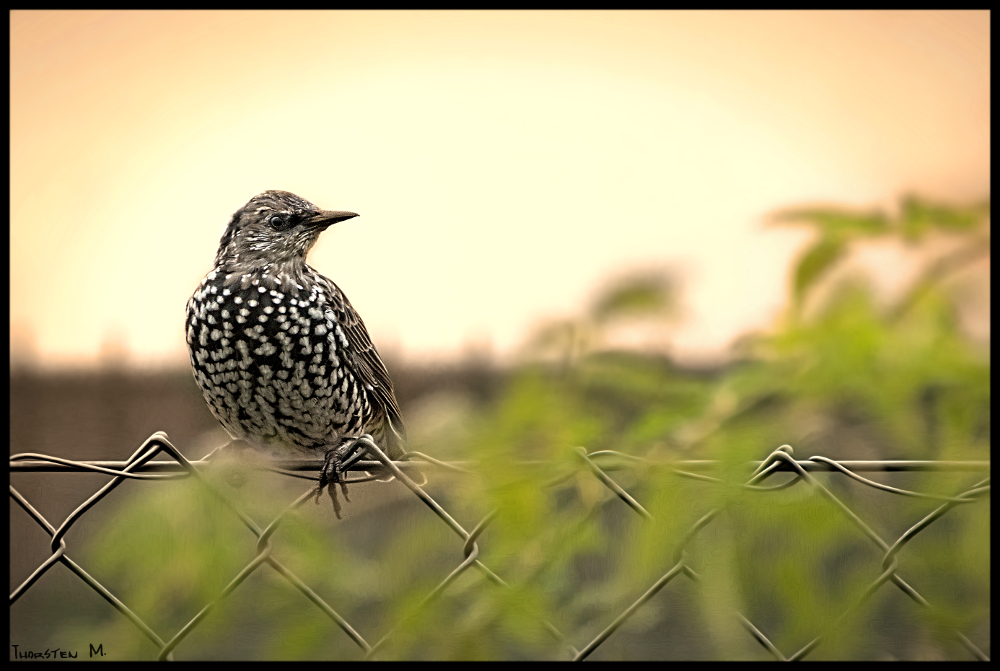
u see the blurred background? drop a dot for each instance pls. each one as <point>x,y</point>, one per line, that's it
<point>675,235</point>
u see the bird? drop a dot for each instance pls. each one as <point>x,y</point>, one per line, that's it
<point>283,359</point>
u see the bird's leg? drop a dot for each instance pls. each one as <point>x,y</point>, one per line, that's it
<point>338,460</point>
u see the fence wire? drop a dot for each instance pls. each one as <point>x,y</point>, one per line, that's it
<point>142,466</point>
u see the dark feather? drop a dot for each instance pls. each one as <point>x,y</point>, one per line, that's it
<point>368,368</point>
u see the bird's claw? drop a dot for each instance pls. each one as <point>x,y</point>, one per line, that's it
<point>332,473</point>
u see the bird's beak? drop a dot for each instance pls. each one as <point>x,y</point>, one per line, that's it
<point>325,218</point>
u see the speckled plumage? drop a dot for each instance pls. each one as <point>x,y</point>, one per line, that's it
<point>281,356</point>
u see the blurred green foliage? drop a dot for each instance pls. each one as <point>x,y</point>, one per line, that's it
<point>843,373</point>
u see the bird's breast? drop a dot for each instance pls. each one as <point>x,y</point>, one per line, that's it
<point>272,363</point>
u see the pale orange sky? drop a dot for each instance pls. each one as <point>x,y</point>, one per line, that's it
<point>504,163</point>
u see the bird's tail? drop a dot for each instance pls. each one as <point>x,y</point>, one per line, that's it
<point>395,437</point>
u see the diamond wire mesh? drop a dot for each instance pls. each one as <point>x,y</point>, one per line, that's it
<point>139,466</point>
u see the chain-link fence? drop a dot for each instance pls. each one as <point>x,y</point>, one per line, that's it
<point>142,466</point>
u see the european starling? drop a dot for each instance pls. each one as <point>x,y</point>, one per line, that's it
<point>282,358</point>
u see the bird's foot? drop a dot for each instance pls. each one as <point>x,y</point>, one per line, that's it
<point>337,461</point>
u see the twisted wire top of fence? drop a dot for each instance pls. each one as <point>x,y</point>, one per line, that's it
<point>39,463</point>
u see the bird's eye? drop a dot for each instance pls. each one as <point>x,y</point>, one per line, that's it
<point>277,221</point>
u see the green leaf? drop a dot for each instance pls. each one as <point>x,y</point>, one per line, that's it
<point>838,222</point>
<point>815,262</point>
<point>918,217</point>
<point>636,296</point>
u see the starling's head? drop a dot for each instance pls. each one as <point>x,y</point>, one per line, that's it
<point>275,227</point>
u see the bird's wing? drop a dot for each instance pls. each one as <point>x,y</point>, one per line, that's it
<point>366,364</point>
